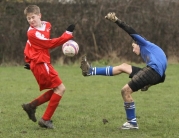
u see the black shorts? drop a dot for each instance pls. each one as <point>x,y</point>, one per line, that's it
<point>144,76</point>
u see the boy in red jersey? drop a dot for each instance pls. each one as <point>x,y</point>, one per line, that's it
<point>38,61</point>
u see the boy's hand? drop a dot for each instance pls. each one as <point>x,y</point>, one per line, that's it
<point>27,66</point>
<point>111,16</point>
<point>71,28</point>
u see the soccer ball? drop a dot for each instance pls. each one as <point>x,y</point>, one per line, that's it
<point>70,48</point>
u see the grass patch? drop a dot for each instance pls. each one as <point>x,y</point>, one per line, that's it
<point>86,102</point>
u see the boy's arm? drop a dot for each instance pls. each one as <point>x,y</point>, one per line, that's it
<point>38,40</point>
<point>135,36</point>
<point>126,27</point>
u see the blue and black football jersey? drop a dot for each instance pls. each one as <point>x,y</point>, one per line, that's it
<point>152,54</point>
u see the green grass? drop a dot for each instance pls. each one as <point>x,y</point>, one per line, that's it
<point>86,102</point>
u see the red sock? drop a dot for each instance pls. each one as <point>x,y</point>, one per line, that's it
<point>42,99</point>
<point>53,103</point>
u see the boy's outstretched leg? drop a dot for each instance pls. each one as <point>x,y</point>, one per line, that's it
<point>88,70</point>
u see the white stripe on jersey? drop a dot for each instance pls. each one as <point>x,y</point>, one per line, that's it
<point>46,67</point>
<point>28,42</point>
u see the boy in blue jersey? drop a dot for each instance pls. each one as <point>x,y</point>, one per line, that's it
<point>152,74</point>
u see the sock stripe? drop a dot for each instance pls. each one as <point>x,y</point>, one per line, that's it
<point>93,71</point>
<point>107,71</point>
<point>133,120</point>
<point>131,107</point>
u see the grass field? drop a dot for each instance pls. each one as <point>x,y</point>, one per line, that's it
<point>86,102</point>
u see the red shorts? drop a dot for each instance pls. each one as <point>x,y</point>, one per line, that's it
<point>46,76</point>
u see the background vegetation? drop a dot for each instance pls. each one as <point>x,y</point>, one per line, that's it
<point>157,20</point>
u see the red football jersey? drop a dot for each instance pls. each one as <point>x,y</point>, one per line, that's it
<point>39,43</point>
<point>37,54</point>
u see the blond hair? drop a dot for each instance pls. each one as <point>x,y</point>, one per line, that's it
<point>32,9</point>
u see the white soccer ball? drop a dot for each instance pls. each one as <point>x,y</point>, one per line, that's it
<point>70,48</point>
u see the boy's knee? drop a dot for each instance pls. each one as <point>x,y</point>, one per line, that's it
<point>124,64</point>
<point>126,92</point>
<point>60,90</point>
<point>123,92</point>
<point>126,68</point>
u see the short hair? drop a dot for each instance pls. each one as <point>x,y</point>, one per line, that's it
<point>134,41</point>
<point>32,9</point>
